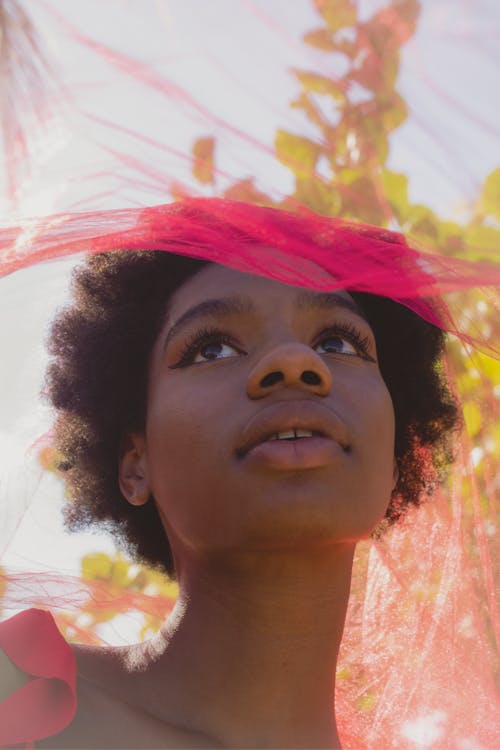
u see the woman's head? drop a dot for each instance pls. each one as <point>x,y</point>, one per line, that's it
<point>241,360</point>
<point>172,414</point>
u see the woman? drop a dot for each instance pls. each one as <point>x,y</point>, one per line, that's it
<point>243,434</point>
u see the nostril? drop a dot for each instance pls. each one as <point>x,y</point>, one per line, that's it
<point>290,365</point>
<point>310,378</point>
<point>271,379</point>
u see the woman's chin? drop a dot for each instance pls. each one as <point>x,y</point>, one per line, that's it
<point>285,518</point>
<point>321,500</point>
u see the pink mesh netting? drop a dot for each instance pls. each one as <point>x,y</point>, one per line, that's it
<point>296,248</point>
<point>422,624</point>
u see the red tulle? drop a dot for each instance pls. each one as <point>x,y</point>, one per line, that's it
<point>301,248</point>
<point>47,702</point>
<point>422,632</point>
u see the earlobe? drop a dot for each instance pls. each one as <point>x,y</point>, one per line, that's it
<point>132,470</point>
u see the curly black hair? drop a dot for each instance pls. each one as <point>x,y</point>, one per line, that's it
<point>97,381</point>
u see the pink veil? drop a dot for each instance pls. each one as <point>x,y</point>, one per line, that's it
<point>420,652</point>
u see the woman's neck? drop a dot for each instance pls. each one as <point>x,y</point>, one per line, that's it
<point>248,656</point>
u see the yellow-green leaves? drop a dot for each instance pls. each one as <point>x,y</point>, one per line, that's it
<point>490,196</point>
<point>320,84</point>
<point>296,152</point>
<point>395,185</point>
<point>321,39</point>
<point>203,162</point>
<point>337,14</point>
<point>472,417</point>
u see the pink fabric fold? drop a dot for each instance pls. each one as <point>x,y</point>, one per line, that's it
<point>46,704</point>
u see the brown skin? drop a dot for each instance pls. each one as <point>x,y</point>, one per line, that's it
<point>263,552</point>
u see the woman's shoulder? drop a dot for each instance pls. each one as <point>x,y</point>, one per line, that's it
<point>38,679</point>
<point>37,685</point>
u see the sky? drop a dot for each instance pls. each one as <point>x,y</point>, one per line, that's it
<point>234,60</point>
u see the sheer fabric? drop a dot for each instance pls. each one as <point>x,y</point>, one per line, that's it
<point>419,647</point>
<point>47,702</point>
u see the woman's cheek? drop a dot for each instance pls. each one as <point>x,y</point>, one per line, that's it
<point>183,449</point>
<point>374,450</point>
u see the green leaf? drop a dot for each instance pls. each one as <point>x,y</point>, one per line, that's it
<point>245,190</point>
<point>450,240</point>
<point>422,223</point>
<point>393,112</point>
<point>489,367</point>
<point>377,73</point>
<point>49,458</point>
<point>360,200</point>
<point>450,230</point>
<point>203,163</point>
<point>374,138</point>
<point>321,39</point>
<point>317,195</point>
<point>344,673</point>
<point>319,84</point>
<point>467,383</point>
<point>366,702</point>
<point>349,176</point>
<point>395,187</point>
<point>97,567</point>
<point>120,573</point>
<point>338,14</point>
<point>312,112</point>
<point>472,417</point>
<point>296,152</point>
<point>484,241</point>
<point>490,196</point>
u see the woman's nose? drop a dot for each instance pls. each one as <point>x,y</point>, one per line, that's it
<point>288,365</point>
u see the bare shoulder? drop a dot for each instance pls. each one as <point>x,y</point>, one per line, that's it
<point>11,677</point>
<point>106,716</point>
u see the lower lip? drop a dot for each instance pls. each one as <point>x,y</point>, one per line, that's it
<point>303,453</point>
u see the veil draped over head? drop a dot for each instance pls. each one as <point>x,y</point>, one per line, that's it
<point>419,664</point>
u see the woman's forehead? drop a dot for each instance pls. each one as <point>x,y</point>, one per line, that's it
<point>247,292</point>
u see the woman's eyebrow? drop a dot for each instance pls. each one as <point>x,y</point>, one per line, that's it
<point>241,305</point>
<point>307,300</point>
<point>213,308</point>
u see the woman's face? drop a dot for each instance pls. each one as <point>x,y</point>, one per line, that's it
<point>240,361</point>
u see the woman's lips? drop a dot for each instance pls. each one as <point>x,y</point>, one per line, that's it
<point>302,453</point>
<point>328,442</point>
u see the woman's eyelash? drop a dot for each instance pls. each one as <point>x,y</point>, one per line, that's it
<point>350,332</point>
<point>194,343</point>
<point>213,335</point>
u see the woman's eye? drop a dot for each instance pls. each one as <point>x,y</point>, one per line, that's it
<point>216,349</point>
<point>335,344</point>
<point>345,338</point>
<point>207,346</point>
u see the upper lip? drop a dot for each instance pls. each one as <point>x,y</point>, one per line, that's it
<point>289,415</point>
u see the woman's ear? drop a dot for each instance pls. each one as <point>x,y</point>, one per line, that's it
<point>132,469</point>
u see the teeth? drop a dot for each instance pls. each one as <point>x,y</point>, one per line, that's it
<point>303,433</point>
<point>287,435</point>
<point>291,434</point>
